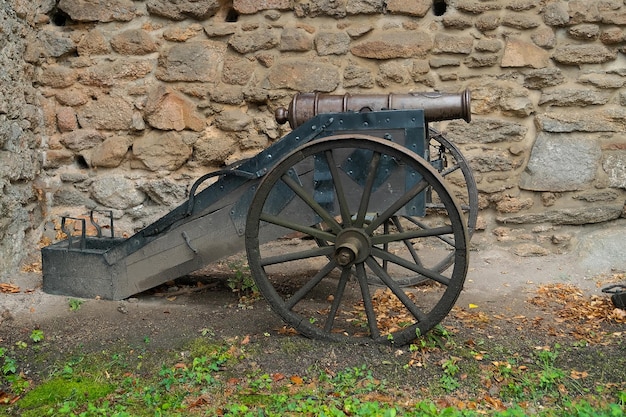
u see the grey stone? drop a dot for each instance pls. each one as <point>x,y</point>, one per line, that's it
<point>82,139</point>
<point>116,191</point>
<point>332,43</point>
<point>295,39</point>
<point>98,11</point>
<point>583,54</point>
<point>181,9</point>
<point>605,120</point>
<point>614,164</point>
<point>302,75</point>
<point>603,80</point>
<point>260,39</point>
<point>133,42</point>
<point>357,76</point>
<point>594,197</point>
<point>70,196</point>
<point>573,97</point>
<point>191,61</point>
<point>561,163</point>
<point>520,21</point>
<point>603,250</point>
<point>485,131</point>
<point>585,31</point>
<point>492,160</point>
<point>107,112</point>
<point>556,14</point>
<point>356,7</point>
<point>164,192</point>
<point>107,74</point>
<point>572,216</point>
<point>541,78</point>
<point>316,8</point>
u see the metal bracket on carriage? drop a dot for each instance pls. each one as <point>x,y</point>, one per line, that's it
<point>83,232</point>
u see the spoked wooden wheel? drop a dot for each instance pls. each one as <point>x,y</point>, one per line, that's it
<point>448,160</point>
<point>360,188</point>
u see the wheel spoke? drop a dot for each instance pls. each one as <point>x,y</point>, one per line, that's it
<point>361,276</point>
<point>434,275</point>
<point>412,234</point>
<point>440,235</point>
<point>304,290</point>
<point>311,231</point>
<point>367,190</point>
<point>310,201</point>
<point>338,296</point>
<point>397,205</point>
<point>344,209</point>
<point>396,289</point>
<point>296,256</point>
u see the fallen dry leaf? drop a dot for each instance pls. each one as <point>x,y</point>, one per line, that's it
<point>9,288</point>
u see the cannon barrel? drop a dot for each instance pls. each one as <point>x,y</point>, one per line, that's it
<point>437,106</point>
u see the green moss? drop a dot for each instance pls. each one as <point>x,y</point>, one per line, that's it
<point>58,390</point>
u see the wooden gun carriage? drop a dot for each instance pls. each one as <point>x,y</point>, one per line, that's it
<point>359,203</point>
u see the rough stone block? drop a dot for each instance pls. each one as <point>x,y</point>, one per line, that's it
<point>561,163</point>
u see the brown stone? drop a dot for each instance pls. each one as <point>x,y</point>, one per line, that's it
<point>453,44</point>
<point>93,43</point>
<point>393,44</point>
<point>81,139</point>
<point>295,39</point>
<point>66,119</point>
<point>417,8</point>
<point>133,42</point>
<point>518,53</point>
<point>191,61</point>
<point>168,110</point>
<point>57,158</point>
<point>161,150</point>
<point>304,75</point>
<point>107,113</point>
<point>253,6</point>
<point>237,70</point>
<point>110,153</point>
<point>182,33</point>
<point>57,76</point>
<point>98,11</point>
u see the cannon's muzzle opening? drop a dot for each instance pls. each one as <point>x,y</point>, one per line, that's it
<point>437,106</point>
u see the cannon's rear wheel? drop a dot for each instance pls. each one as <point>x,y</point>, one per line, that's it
<point>322,290</point>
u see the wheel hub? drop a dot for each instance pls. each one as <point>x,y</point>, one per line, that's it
<point>352,246</point>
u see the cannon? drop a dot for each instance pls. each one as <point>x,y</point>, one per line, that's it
<point>354,210</point>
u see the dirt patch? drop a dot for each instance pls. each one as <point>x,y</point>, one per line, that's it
<point>505,312</point>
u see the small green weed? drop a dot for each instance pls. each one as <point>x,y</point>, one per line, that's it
<point>449,381</point>
<point>74,304</point>
<point>241,282</point>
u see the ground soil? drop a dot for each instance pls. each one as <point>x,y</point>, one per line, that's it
<point>493,311</point>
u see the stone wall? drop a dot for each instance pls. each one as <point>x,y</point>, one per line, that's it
<point>21,124</point>
<point>142,97</point>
